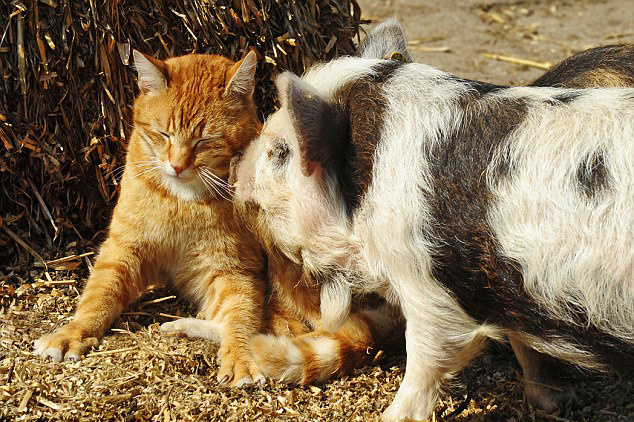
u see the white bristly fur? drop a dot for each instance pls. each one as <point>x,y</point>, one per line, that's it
<point>330,76</point>
<point>569,247</point>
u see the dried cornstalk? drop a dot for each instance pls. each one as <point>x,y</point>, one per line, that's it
<point>66,91</point>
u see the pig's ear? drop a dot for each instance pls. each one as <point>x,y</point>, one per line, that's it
<point>386,41</point>
<point>152,73</point>
<point>320,126</point>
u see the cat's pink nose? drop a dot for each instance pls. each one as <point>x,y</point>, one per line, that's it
<point>178,167</point>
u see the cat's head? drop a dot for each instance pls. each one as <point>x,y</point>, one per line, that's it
<point>193,114</point>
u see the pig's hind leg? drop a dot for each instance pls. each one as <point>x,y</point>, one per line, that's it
<point>543,387</point>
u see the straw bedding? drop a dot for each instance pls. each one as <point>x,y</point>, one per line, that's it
<point>137,374</point>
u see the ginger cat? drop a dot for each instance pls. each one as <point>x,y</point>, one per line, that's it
<point>172,222</point>
<point>295,347</point>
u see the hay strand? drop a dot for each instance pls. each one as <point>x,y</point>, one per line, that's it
<point>516,60</point>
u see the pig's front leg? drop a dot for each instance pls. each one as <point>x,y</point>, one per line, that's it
<point>440,341</point>
<point>416,396</point>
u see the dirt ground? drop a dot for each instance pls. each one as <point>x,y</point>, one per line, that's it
<point>138,375</point>
<point>541,31</point>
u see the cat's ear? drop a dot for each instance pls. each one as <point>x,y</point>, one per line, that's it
<point>320,126</point>
<point>386,41</point>
<point>243,78</point>
<point>152,73</point>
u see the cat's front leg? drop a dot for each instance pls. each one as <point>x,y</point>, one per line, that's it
<point>238,306</point>
<point>116,280</point>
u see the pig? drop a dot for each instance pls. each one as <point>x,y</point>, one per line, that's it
<point>483,211</point>
<point>610,65</point>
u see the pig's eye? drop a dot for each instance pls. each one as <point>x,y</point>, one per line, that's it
<point>279,152</point>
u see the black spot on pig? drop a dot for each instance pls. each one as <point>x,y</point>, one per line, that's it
<point>611,65</point>
<point>466,262</point>
<point>592,175</point>
<point>363,102</point>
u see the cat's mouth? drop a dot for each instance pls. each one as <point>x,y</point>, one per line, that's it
<point>181,174</point>
<point>185,176</point>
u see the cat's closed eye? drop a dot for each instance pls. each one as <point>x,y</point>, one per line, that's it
<point>166,136</point>
<point>202,142</point>
<point>207,140</point>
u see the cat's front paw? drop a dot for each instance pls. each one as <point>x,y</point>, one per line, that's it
<point>67,344</point>
<point>237,369</point>
<point>193,328</point>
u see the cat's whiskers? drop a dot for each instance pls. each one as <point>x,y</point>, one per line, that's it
<point>222,190</point>
<point>218,180</point>
<point>143,166</point>
<point>205,183</point>
<point>144,170</point>
<point>219,185</point>
<point>116,172</point>
<point>210,173</point>
<point>210,185</point>
<point>219,191</point>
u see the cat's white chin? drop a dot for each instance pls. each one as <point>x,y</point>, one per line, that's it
<point>186,189</point>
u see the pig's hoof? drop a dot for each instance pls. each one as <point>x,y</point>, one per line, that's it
<point>549,399</point>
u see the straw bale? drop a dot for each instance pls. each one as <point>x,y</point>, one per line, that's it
<point>66,93</point>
